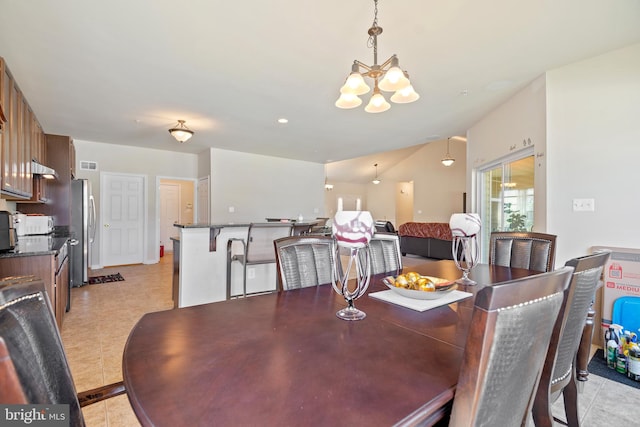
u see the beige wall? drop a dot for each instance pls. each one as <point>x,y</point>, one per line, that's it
<point>134,160</point>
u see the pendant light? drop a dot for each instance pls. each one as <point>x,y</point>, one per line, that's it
<point>448,160</point>
<point>376,180</point>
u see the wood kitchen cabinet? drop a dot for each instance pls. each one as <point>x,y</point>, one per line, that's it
<point>43,267</point>
<point>21,139</point>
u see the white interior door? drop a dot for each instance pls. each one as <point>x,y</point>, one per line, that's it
<point>123,221</point>
<point>169,213</point>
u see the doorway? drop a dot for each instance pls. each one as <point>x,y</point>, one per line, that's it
<point>176,205</point>
<point>404,203</point>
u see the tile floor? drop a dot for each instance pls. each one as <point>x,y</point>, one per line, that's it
<point>96,329</point>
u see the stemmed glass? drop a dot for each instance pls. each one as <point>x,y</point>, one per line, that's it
<point>361,259</point>
<point>353,231</point>
<point>464,229</point>
<point>465,255</point>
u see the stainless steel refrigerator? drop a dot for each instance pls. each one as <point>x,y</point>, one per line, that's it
<point>83,230</point>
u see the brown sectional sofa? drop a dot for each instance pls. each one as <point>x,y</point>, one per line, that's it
<point>426,239</point>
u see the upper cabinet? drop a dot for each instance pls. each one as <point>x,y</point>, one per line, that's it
<point>21,139</point>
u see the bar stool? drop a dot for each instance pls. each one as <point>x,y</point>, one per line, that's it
<point>257,249</point>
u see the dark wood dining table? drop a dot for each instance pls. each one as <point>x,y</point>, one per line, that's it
<point>285,359</point>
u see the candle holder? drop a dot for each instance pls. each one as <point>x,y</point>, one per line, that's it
<point>353,231</point>
<point>465,255</point>
<point>464,247</point>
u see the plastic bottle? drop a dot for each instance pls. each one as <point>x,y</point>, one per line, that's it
<point>612,354</point>
<point>633,362</point>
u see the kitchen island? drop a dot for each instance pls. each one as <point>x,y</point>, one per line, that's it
<point>200,264</point>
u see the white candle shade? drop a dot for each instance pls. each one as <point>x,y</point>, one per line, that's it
<point>465,224</point>
<point>353,229</point>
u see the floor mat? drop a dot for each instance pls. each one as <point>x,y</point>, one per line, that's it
<point>598,366</point>
<point>117,277</point>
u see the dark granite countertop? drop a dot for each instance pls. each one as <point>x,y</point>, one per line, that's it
<point>207,225</point>
<point>48,244</point>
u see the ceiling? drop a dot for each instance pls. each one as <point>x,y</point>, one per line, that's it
<point>124,72</point>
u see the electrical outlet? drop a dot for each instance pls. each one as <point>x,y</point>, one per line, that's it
<point>584,205</point>
<point>232,209</point>
<point>251,273</point>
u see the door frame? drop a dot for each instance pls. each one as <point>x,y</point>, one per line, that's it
<point>156,238</point>
<point>145,212</point>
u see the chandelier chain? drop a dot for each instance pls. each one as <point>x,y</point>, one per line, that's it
<point>371,42</point>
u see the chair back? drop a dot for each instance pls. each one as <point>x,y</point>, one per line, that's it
<point>384,250</point>
<point>533,251</point>
<point>259,249</point>
<point>304,261</point>
<point>29,331</point>
<point>511,326</point>
<point>559,367</point>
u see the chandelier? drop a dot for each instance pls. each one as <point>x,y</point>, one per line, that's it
<point>181,132</point>
<point>387,77</point>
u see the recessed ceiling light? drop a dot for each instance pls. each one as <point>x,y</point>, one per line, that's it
<point>283,120</point>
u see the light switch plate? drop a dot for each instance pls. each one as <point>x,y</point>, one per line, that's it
<point>584,205</point>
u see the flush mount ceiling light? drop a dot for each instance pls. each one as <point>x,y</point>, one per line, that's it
<point>387,77</point>
<point>376,180</point>
<point>181,132</point>
<point>448,160</point>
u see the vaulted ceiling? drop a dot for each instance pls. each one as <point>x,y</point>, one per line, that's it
<point>124,72</point>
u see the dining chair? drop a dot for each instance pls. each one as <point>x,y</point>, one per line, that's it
<point>511,326</point>
<point>559,372</point>
<point>304,261</point>
<point>530,250</point>
<point>256,249</point>
<point>384,250</point>
<point>32,355</point>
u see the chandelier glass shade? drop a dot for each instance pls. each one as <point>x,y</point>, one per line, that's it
<point>388,77</point>
<point>181,132</point>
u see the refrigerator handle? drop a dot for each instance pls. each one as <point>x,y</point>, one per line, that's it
<point>92,218</point>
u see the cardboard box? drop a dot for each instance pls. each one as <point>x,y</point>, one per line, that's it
<point>621,277</point>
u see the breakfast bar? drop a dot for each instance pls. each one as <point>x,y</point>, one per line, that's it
<point>200,263</point>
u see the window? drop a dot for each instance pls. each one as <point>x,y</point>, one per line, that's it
<point>506,196</point>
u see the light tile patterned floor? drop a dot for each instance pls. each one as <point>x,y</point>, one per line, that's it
<point>96,329</point>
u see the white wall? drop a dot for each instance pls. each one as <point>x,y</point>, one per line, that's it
<point>506,131</point>
<point>349,192</point>
<point>258,186</point>
<point>594,152</point>
<point>133,160</point>
<point>583,120</point>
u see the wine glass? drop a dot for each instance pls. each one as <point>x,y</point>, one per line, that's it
<point>465,255</point>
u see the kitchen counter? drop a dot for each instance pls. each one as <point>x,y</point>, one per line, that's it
<point>36,245</point>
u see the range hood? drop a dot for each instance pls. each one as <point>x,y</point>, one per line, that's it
<point>42,170</point>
